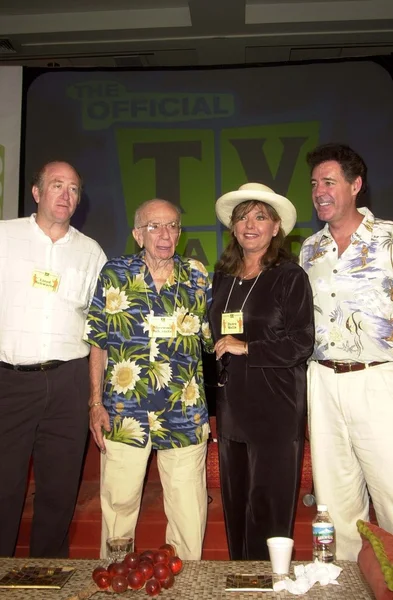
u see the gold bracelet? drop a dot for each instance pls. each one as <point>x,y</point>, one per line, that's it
<point>95,404</point>
<point>246,348</point>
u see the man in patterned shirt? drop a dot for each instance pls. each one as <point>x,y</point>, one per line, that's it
<point>350,375</point>
<point>146,324</point>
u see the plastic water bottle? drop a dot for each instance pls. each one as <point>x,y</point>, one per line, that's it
<point>323,535</point>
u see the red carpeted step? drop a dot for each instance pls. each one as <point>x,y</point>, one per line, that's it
<point>85,531</point>
<point>150,532</point>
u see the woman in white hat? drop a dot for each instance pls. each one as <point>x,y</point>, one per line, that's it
<point>262,322</point>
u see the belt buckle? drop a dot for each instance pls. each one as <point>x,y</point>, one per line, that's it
<point>44,366</point>
<point>340,367</point>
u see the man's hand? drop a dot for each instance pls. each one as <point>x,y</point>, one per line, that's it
<point>99,420</point>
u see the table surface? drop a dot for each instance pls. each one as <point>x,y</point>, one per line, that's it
<point>199,580</point>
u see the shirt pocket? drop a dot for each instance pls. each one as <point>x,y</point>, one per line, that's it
<point>74,287</point>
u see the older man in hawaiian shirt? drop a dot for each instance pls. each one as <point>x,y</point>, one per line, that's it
<point>146,324</point>
<point>350,376</point>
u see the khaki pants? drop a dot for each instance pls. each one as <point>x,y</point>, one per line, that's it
<point>351,420</point>
<point>183,478</point>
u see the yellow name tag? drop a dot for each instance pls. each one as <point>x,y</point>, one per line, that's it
<point>162,327</point>
<point>232,323</point>
<point>44,280</point>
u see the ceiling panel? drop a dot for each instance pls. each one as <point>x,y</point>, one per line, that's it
<point>96,20</point>
<point>306,11</point>
<point>188,32</point>
<point>18,7</point>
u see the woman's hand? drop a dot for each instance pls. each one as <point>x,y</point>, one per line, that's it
<point>230,344</point>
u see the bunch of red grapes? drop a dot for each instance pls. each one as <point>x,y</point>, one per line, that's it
<point>153,570</point>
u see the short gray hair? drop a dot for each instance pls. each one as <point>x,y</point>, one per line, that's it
<point>139,211</point>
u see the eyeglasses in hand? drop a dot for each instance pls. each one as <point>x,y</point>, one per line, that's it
<point>223,373</point>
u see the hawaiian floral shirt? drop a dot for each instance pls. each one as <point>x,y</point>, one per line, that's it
<point>153,386</point>
<point>353,293</point>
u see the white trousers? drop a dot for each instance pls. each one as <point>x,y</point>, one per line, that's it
<point>351,432</point>
<point>183,478</point>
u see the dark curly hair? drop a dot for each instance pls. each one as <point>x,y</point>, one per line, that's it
<point>231,259</point>
<point>352,165</point>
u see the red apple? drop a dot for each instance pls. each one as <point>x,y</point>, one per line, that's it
<point>162,556</point>
<point>119,584</point>
<point>168,581</point>
<point>117,568</point>
<point>146,567</point>
<point>131,560</point>
<point>153,587</point>
<point>103,580</point>
<point>175,564</point>
<point>161,571</point>
<point>169,548</point>
<point>136,579</point>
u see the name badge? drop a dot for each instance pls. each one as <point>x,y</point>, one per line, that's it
<point>44,280</point>
<point>232,323</point>
<point>162,327</point>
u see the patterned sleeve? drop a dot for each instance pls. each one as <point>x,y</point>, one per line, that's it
<point>203,298</point>
<point>301,255</point>
<point>309,250</point>
<point>96,327</point>
<point>206,337</point>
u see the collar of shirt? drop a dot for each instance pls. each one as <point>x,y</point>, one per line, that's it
<point>63,240</point>
<point>362,234</point>
<point>138,260</point>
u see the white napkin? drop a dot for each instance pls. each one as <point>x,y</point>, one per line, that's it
<point>307,575</point>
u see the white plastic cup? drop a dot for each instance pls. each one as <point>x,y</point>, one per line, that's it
<point>280,552</point>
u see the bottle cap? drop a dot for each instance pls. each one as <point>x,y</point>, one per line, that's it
<point>321,508</point>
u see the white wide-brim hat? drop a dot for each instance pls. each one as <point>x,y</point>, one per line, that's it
<point>257,191</point>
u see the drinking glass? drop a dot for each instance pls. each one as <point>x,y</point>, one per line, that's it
<point>118,547</point>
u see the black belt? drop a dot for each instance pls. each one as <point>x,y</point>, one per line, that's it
<point>348,367</point>
<point>45,366</point>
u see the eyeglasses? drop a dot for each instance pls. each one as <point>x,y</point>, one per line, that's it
<point>155,228</point>
<point>223,374</point>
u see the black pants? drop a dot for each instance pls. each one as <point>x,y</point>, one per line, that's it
<point>43,415</point>
<point>259,486</point>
